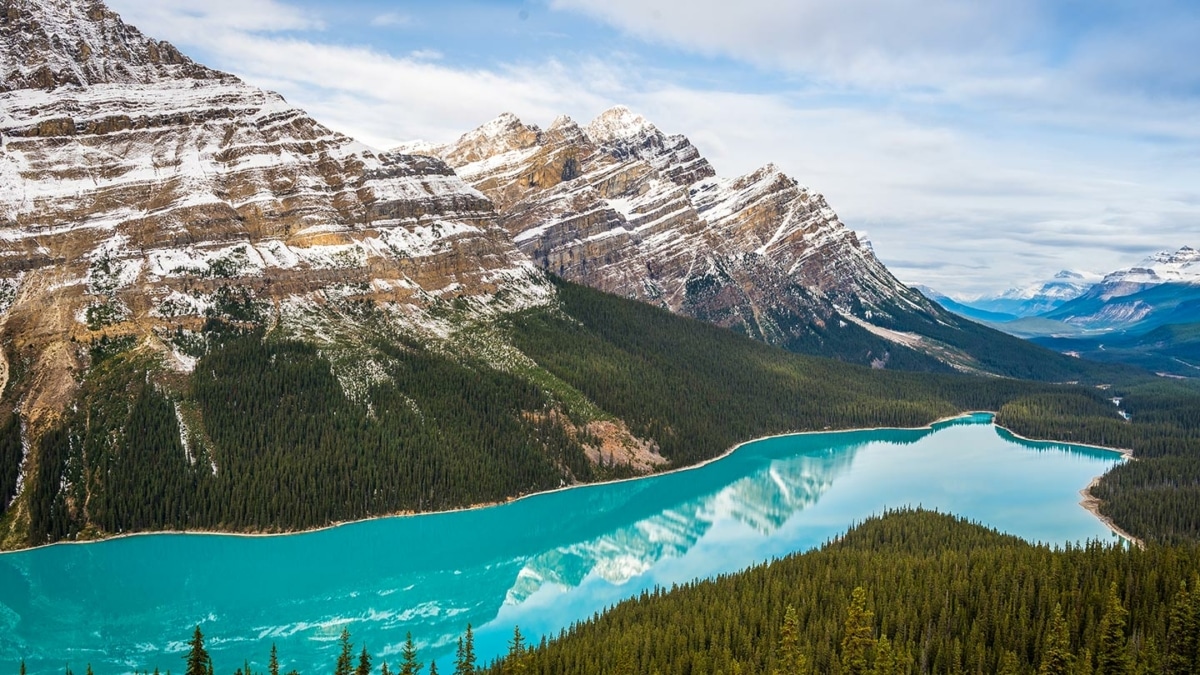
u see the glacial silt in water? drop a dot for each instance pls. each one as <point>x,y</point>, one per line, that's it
<point>541,562</point>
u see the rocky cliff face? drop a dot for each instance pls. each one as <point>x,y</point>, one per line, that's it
<point>620,206</point>
<point>142,193</point>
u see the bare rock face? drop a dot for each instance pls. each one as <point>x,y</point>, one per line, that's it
<point>142,193</point>
<point>622,207</point>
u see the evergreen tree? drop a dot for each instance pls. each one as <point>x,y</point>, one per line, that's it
<point>1112,652</point>
<point>1009,664</point>
<point>516,661</point>
<point>433,668</point>
<point>888,660</point>
<point>1182,634</point>
<point>791,661</point>
<point>857,634</point>
<point>22,666</point>
<point>1056,657</point>
<point>409,665</point>
<point>364,663</point>
<point>384,670</point>
<point>345,657</point>
<point>198,662</point>
<point>273,663</point>
<point>465,658</point>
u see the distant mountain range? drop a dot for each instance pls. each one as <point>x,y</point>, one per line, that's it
<point>1146,314</point>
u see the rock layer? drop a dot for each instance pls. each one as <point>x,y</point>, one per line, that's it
<point>142,193</point>
<point>622,207</point>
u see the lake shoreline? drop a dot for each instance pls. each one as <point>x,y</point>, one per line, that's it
<point>1094,509</point>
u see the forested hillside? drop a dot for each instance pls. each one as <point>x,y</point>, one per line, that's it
<point>271,432</point>
<point>909,592</point>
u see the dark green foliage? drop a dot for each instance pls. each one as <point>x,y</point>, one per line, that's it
<point>345,656</point>
<point>273,442</point>
<point>954,596</point>
<point>1183,633</point>
<point>698,390</point>
<point>198,662</point>
<point>1004,354</point>
<point>1056,657</point>
<point>364,663</point>
<point>857,633</point>
<point>1112,650</point>
<point>464,658</point>
<point>409,665</point>
<point>11,453</point>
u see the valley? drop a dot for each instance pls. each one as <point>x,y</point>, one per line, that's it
<point>516,378</point>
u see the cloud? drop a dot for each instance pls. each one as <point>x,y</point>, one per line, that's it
<point>186,21</point>
<point>392,20</point>
<point>971,176</point>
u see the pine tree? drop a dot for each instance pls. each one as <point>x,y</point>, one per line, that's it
<point>1056,658</point>
<point>273,664</point>
<point>409,665</point>
<point>1009,665</point>
<point>888,660</point>
<point>364,663</point>
<point>384,670</point>
<point>857,634</point>
<point>1182,634</point>
<point>22,666</point>
<point>464,661</point>
<point>345,656</point>
<point>433,668</point>
<point>198,662</point>
<point>516,662</point>
<point>1112,652</point>
<point>791,661</point>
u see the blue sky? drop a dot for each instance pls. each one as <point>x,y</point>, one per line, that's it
<point>980,144</point>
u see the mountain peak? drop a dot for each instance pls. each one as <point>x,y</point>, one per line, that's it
<point>46,44</point>
<point>618,123</point>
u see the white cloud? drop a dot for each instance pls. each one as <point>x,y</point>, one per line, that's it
<point>392,19</point>
<point>1053,171</point>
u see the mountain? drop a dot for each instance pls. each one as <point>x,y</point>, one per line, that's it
<point>1142,315</point>
<point>620,206</point>
<point>1162,289</point>
<point>962,309</point>
<point>217,314</point>
<point>1032,300</point>
<point>144,193</point>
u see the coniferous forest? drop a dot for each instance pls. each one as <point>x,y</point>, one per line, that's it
<point>907,592</point>
<point>262,436</point>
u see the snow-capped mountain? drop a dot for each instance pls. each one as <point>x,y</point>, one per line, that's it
<point>1164,267</point>
<point>619,205</point>
<point>141,192</point>
<point>1029,300</point>
<point>1162,289</point>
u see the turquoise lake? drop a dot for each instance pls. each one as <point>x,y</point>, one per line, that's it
<point>542,562</point>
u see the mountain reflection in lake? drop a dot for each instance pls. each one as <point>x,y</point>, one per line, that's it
<point>542,562</point>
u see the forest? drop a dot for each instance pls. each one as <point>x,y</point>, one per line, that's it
<point>910,591</point>
<point>263,436</point>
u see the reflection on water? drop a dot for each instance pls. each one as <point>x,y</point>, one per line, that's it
<point>763,501</point>
<point>542,562</point>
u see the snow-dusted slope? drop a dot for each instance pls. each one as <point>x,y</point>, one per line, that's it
<point>1036,298</point>
<point>623,207</point>
<point>1164,267</point>
<point>1164,288</point>
<point>141,192</point>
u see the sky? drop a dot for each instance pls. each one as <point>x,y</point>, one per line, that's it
<point>978,144</point>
